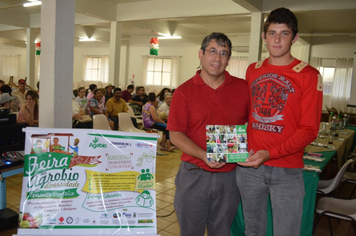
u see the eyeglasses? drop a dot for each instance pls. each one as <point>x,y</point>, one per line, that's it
<point>214,51</point>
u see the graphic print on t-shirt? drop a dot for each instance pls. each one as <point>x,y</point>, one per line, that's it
<point>269,94</point>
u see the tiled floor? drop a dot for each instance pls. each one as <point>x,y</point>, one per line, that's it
<point>167,167</point>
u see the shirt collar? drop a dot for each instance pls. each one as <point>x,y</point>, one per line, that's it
<point>198,80</point>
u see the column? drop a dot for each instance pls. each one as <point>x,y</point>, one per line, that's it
<point>30,57</point>
<point>57,48</point>
<point>255,47</point>
<point>114,58</point>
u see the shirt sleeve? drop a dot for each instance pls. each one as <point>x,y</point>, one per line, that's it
<point>311,106</point>
<point>109,106</point>
<point>178,113</point>
<point>136,98</point>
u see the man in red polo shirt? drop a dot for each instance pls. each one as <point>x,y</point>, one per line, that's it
<point>206,193</point>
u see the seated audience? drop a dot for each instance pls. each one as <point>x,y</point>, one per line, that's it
<point>151,120</point>
<point>139,100</point>
<point>20,94</point>
<point>81,99</point>
<point>108,93</point>
<point>126,94</point>
<point>136,91</point>
<point>160,96</point>
<point>6,97</point>
<point>79,118</point>
<point>97,106</point>
<point>29,111</point>
<point>116,105</point>
<point>92,88</point>
<point>164,108</point>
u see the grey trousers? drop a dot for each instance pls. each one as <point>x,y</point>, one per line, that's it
<point>286,189</point>
<point>205,199</point>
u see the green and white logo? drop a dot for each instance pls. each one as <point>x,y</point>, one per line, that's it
<point>94,144</point>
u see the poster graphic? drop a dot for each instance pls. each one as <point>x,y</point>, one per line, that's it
<point>81,181</point>
<point>226,143</point>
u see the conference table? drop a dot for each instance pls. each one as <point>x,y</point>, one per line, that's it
<point>337,151</point>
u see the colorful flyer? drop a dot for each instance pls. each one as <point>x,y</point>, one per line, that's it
<point>89,182</point>
<point>226,143</point>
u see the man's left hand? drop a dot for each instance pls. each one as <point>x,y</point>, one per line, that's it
<point>256,159</point>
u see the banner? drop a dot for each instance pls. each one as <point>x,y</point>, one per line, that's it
<point>81,181</point>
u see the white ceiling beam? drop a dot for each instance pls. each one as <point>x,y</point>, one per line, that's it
<point>251,5</point>
<point>104,10</point>
<point>10,17</point>
<point>14,34</point>
<point>168,9</point>
<point>308,5</point>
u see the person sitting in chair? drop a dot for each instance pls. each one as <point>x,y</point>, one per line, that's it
<point>151,120</point>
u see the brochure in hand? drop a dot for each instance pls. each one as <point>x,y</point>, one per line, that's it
<point>226,143</point>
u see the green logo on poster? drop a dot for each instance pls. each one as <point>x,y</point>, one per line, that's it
<point>94,144</point>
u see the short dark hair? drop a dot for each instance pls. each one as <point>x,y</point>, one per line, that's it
<point>92,87</point>
<point>151,97</point>
<point>282,16</point>
<point>117,89</point>
<point>96,91</point>
<point>130,87</point>
<point>2,82</point>
<point>220,38</point>
<point>6,89</point>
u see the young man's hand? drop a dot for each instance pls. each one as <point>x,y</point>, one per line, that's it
<point>255,160</point>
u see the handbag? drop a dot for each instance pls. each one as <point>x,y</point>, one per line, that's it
<point>85,119</point>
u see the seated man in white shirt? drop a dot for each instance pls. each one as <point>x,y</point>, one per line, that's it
<point>164,108</point>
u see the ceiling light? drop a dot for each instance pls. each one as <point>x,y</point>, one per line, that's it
<point>31,4</point>
<point>82,39</point>
<point>170,37</point>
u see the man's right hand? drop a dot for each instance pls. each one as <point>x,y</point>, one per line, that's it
<point>215,165</point>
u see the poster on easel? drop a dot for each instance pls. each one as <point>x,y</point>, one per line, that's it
<point>81,181</point>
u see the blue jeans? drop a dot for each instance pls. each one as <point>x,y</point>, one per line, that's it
<point>286,189</point>
<point>205,199</point>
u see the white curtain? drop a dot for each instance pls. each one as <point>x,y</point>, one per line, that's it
<point>238,66</point>
<point>316,62</point>
<point>104,71</point>
<point>175,72</point>
<point>342,84</point>
<point>10,67</point>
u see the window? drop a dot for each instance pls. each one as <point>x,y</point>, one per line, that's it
<point>97,68</point>
<point>238,66</point>
<point>328,79</point>
<point>10,67</point>
<point>159,71</point>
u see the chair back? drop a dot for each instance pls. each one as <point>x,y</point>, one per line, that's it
<point>336,181</point>
<point>130,111</point>
<point>100,121</point>
<point>125,123</point>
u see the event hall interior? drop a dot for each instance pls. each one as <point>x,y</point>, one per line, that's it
<point>116,34</point>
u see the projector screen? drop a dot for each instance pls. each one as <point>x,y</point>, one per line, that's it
<point>352,102</point>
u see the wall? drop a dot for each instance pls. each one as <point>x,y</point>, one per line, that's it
<point>189,60</point>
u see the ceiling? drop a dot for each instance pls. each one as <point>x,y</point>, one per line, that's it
<point>322,22</point>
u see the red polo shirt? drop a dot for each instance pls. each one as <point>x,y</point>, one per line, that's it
<point>195,105</point>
